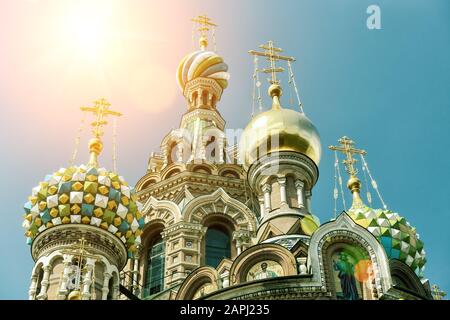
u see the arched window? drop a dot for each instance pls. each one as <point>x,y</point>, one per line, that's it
<point>217,247</point>
<point>155,268</point>
<point>147,183</point>
<point>352,271</point>
<point>194,99</point>
<point>204,98</point>
<point>39,279</point>
<point>171,173</point>
<point>110,289</point>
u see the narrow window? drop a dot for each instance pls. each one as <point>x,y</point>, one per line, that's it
<point>217,246</point>
<point>155,269</point>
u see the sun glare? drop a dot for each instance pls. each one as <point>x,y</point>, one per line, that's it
<point>88,27</point>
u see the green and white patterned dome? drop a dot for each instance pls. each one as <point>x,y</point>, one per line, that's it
<point>399,239</point>
<point>85,195</point>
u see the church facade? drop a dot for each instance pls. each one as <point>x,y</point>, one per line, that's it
<point>218,219</point>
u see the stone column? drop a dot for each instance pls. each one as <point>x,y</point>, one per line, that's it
<point>136,276</point>
<point>166,155</point>
<point>63,286</point>
<point>299,186</point>
<point>105,288</point>
<point>224,277</point>
<point>44,283</point>
<point>282,184</point>
<point>86,294</point>
<point>199,249</point>
<point>242,238</point>
<point>308,196</point>
<point>33,286</point>
<point>221,145</point>
<point>302,268</point>
<point>267,189</point>
<point>262,209</point>
<point>115,291</point>
<point>202,152</point>
<point>238,246</point>
<point>199,98</point>
<point>210,96</point>
<point>180,152</point>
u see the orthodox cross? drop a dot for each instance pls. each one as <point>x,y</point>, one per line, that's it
<point>346,147</point>
<point>273,54</point>
<point>438,294</point>
<point>100,110</point>
<point>205,24</point>
<point>79,251</point>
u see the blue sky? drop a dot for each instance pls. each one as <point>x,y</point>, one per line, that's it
<point>388,89</point>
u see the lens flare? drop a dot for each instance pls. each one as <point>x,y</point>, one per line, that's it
<point>87,27</point>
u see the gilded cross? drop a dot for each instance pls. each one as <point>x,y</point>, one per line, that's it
<point>438,294</point>
<point>205,24</point>
<point>100,110</point>
<point>79,251</point>
<point>273,54</point>
<point>346,147</point>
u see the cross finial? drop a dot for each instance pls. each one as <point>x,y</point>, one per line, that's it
<point>437,293</point>
<point>100,110</point>
<point>204,25</point>
<point>273,54</point>
<point>354,184</point>
<point>346,147</point>
<point>78,250</point>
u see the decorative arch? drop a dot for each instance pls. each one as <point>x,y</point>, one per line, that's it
<point>164,210</point>
<point>170,173</point>
<point>202,168</point>
<point>259,253</point>
<point>147,180</point>
<point>403,277</point>
<point>345,230</point>
<point>174,138</point>
<point>39,265</point>
<point>58,259</point>
<point>219,202</point>
<point>231,171</point>
<point>198,278</point>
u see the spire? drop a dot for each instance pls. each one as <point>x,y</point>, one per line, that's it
<point>353,183</point>
<point>204,25</point>
<point>273,55</point>
<point>100,110</point>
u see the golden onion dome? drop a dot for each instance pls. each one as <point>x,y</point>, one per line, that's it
<point>202,64</point>
<point>277,130</point>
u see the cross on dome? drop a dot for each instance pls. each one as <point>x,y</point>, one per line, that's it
<point>273,55</point>
<point>346,147</point>
<point>100,110</point>
<point>205,24</point>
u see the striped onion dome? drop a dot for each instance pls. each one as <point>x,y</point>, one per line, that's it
<point>202,64</point>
